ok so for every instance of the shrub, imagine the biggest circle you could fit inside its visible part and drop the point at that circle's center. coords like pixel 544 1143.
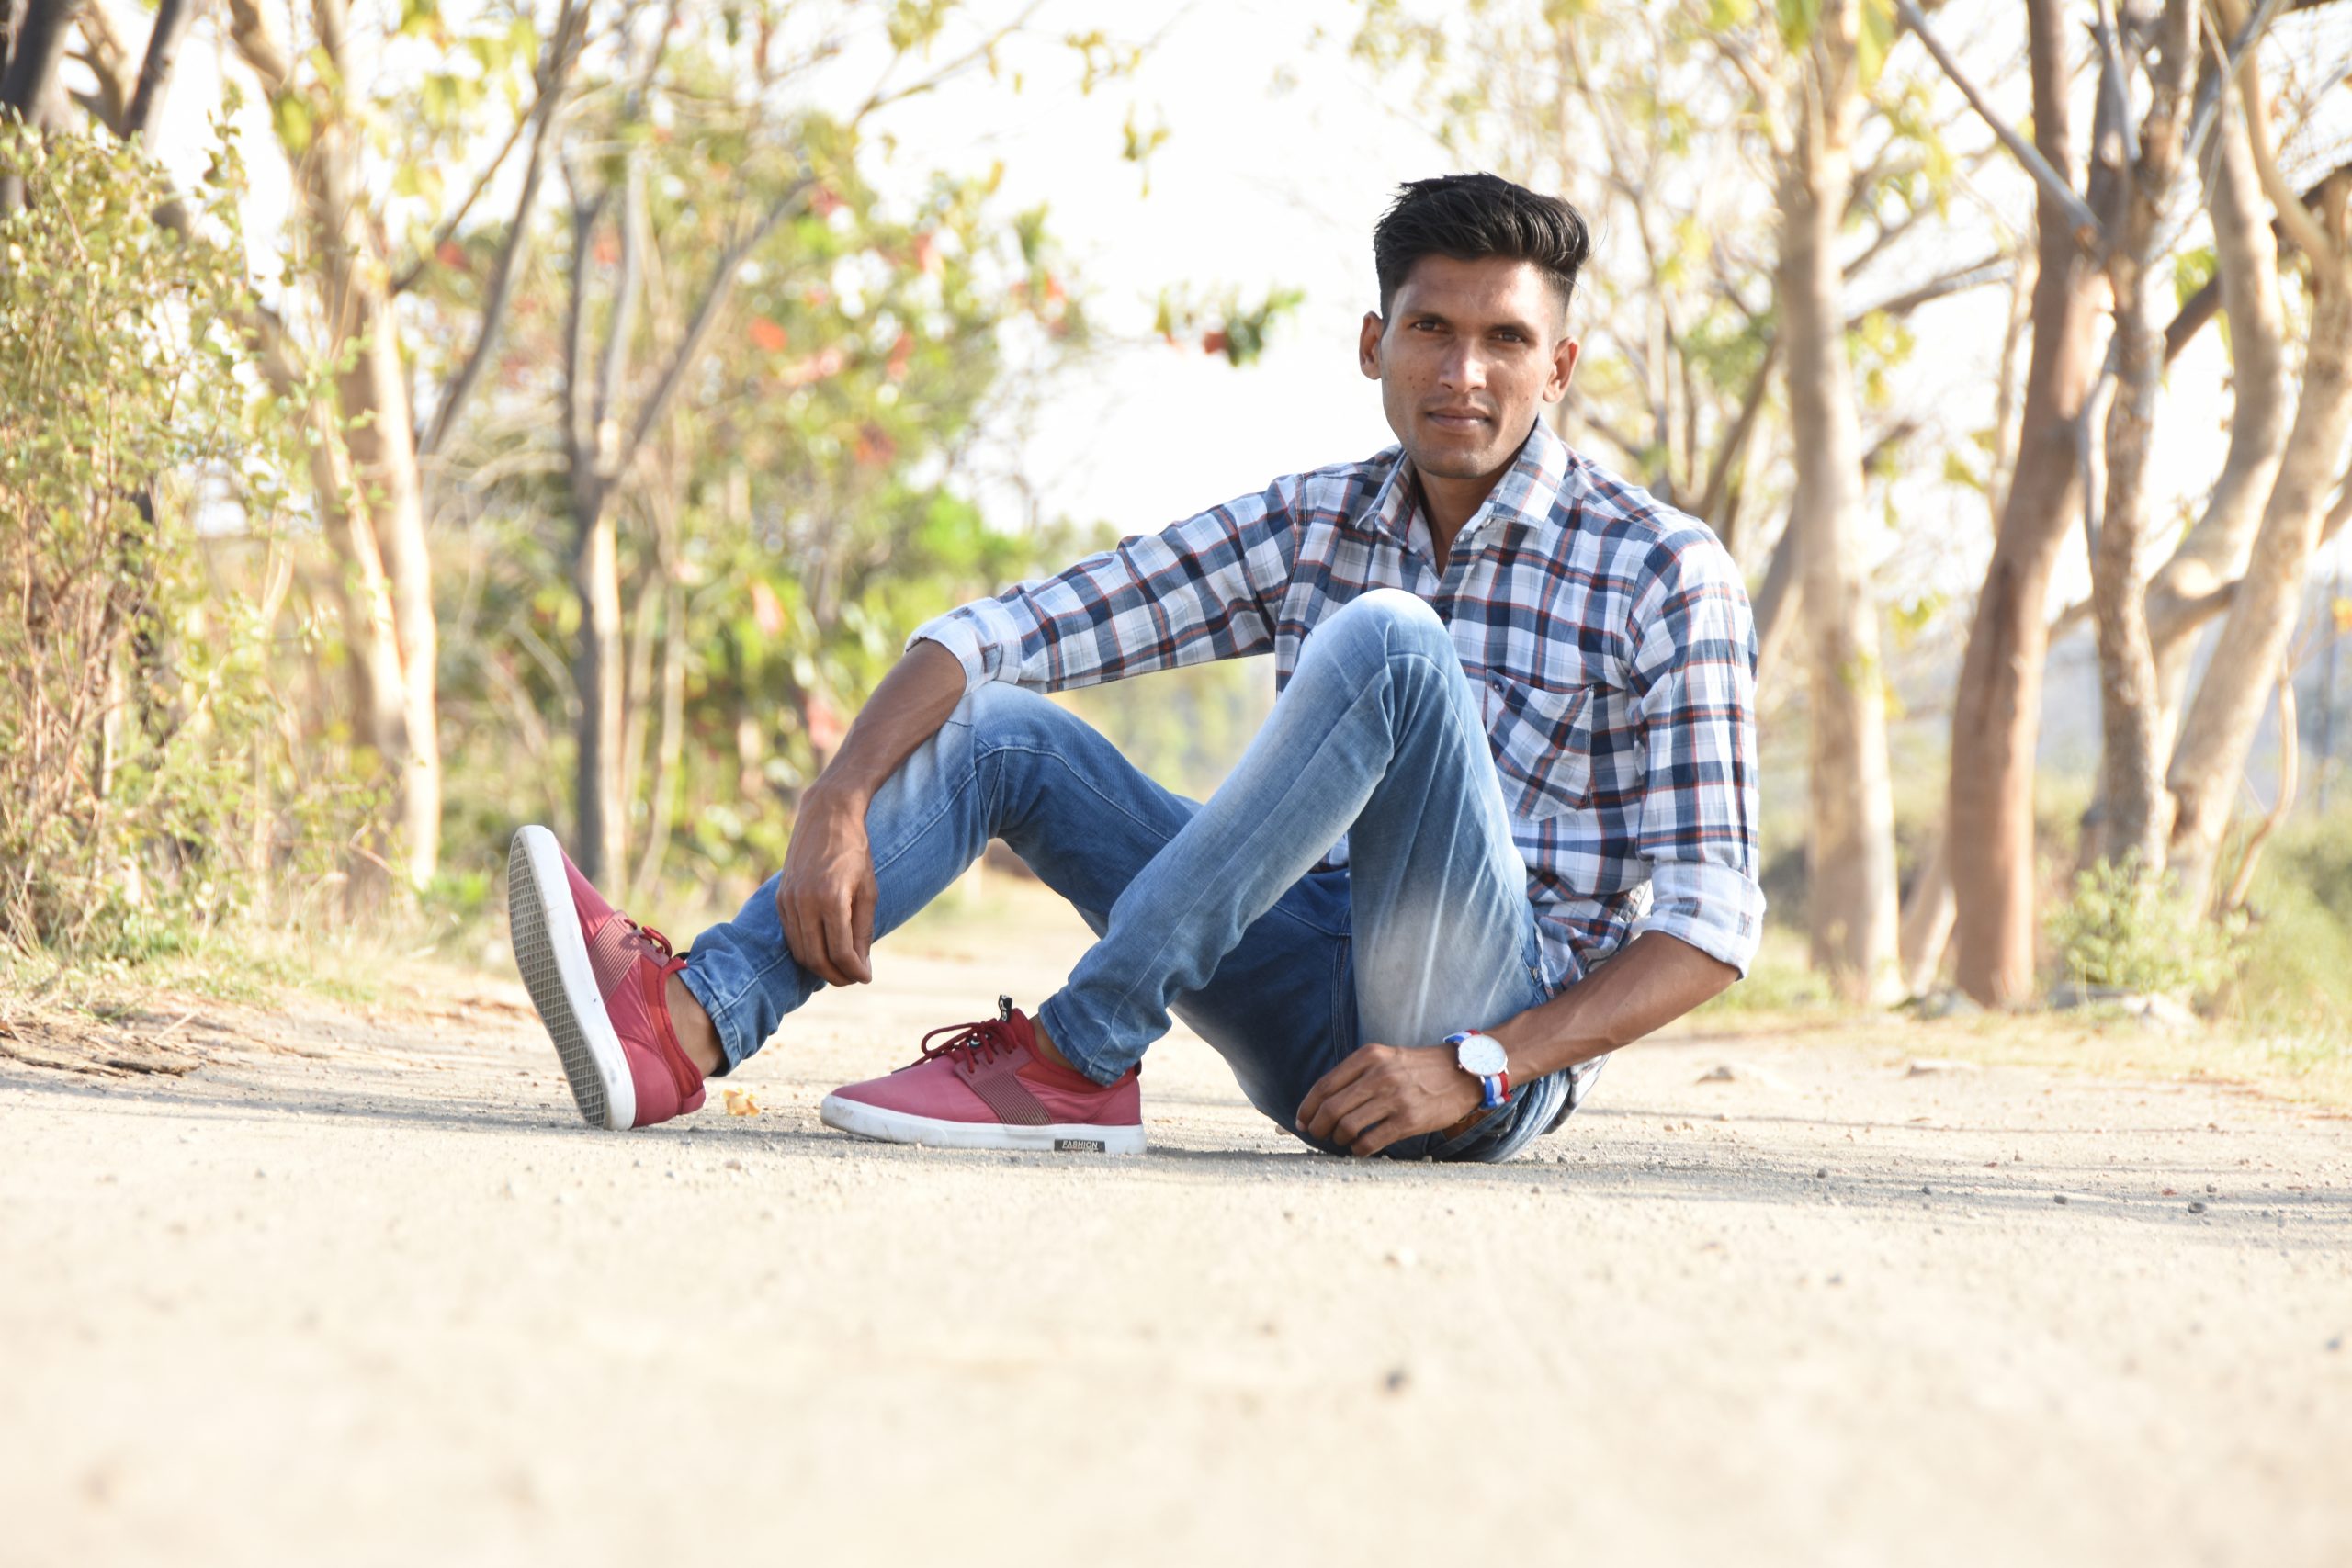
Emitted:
pixel 2124 931
pixel 133 711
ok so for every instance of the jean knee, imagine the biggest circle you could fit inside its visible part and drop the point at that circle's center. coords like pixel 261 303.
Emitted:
pixel 1383 624
pixel 996 713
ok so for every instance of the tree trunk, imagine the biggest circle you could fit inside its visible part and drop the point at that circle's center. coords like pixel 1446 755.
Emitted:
pixel 374 397
pixel 1925 929
pixel 669 755
pixel 2192 587
pixel 36 46
pixel 380 434
pixel 597 671
pixel 378 498
pixel 2218 730
pixel 36 50
pixel 171 18
pixel 1775 603
pixel 1996 712
pixel 2135 822
pixel 1850 854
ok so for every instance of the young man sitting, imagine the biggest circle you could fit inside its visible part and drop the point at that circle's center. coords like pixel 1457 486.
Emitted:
pixel 1513 739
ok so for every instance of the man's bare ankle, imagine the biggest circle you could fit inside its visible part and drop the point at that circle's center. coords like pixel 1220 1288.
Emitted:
pixel 697 1036
pixel 1045 1047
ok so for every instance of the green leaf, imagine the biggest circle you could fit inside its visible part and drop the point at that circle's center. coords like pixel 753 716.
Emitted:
pixel 1800 20
pixel 1873 38
pixel 291 114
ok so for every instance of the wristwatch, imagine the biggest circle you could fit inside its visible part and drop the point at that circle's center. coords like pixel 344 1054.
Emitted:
pixel 1482 1057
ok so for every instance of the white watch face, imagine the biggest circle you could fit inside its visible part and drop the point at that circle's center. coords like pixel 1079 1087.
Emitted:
pixel 1481 1056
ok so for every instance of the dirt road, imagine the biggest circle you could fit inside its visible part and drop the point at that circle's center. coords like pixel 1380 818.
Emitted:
pixel 360 1289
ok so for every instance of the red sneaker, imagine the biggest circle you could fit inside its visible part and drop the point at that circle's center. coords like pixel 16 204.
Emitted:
pixel 987 1087
pixel 597 978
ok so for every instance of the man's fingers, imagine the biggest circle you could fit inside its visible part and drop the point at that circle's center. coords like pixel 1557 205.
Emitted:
pixel 1356 1063
pixel 840 944
pixel 861 921
pixel 805 934
pixel 1358 1101
pixel 1359 1120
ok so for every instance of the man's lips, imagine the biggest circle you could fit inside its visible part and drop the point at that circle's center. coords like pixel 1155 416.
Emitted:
pixel 1457 419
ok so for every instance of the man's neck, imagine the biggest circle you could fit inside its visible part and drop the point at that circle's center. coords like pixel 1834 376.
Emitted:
pixel 1447 506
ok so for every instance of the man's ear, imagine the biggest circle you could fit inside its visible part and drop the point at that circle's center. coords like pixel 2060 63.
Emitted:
pixel 1368 345
pixel 1564 368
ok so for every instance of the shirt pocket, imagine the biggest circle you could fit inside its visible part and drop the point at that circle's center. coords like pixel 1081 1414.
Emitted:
pixel 1541 739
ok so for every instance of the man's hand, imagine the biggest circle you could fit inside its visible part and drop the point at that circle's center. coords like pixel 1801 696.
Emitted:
pixel 1384 1094
pixel 825 896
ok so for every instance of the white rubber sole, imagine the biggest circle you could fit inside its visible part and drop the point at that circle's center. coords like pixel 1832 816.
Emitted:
pixel 855 1116
pixel 544 926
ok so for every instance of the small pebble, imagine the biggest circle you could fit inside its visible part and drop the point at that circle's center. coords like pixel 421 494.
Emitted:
pixel 1396 1380
pixel 1821 1175
pixel 2196 1208
pixel 2057 1197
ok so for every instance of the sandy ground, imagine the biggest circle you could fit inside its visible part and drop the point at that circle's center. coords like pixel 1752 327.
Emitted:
pixel 360 1289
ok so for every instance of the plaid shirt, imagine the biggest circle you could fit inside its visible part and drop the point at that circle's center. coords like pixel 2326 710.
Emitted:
pixel 1608 635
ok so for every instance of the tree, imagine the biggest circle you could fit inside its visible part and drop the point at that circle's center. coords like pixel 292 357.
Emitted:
pixel 1996 709
pixel 1849 847
pixel 2132 204
pixel 2217 730
pixel 366 480
pixel 756 355
pixel 36 44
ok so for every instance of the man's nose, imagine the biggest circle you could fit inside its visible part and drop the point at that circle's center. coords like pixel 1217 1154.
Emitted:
pixel 1464 369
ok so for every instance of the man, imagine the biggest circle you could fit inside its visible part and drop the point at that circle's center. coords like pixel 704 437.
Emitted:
pixel 1513 739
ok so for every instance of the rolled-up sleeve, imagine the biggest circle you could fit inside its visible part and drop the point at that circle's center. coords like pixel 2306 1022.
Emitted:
pixel 1693 680
pixel 1206 588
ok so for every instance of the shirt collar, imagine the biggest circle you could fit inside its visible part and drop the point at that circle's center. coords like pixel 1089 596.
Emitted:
pixel 1523 497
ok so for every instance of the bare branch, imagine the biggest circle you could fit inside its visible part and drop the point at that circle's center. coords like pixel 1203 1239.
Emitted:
pixel 2084 222
pixel 112 65
pixel 2295 218
pixel 705 318
pixel 2115 91
pixel 1994 268
pixel 447 230
pixel 172 20
pixel 882 95
pixel 259 45
pixel 498 296
pixel 1736 442
pixel 2210 96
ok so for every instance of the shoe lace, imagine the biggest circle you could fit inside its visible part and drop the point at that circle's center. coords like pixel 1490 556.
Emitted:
pixel 970 1044
pixel 671 962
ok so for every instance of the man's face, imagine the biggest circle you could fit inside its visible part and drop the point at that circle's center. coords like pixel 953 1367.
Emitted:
pixel 1469 352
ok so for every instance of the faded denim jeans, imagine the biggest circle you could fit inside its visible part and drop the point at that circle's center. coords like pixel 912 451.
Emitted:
pixel 1212 911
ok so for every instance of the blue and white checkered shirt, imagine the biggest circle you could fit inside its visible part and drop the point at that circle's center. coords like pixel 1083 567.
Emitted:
pixel 1608 636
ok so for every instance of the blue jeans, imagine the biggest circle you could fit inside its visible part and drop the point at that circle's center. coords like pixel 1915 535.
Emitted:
pixel 1214 911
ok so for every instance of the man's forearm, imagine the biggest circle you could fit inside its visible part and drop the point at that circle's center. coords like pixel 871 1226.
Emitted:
pixel 1654 980
pixel 907 709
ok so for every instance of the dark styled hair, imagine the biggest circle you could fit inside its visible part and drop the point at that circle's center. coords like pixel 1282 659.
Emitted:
pixel 1471 217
